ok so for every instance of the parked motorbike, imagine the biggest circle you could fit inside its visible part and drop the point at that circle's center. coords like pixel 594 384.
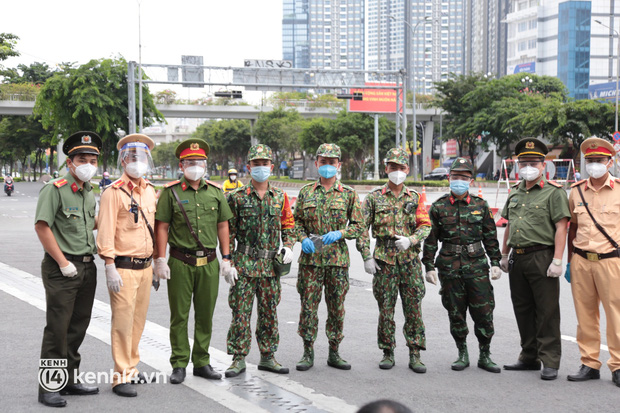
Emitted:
pixel 9 188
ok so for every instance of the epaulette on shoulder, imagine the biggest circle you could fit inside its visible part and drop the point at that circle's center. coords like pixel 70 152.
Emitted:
pixel 347 187
pixel 215 184
pixel 617 180
pixel 60 183
pixel 376 188
pixel 516 185
pixel 582 181
pixel 148 182
pixel 557 185
pixel 173 183
pixel 117 184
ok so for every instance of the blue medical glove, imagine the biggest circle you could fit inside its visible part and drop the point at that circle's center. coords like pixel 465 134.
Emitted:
pixel 567 273
pixel 307 246
pixel 331 237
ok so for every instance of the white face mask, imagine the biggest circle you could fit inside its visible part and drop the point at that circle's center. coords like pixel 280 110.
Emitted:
pixel 397 177
pixel 233 178
pixel 85 172
pixel 194 173
pixel 596 170
pixel 529 173
pixel 136 169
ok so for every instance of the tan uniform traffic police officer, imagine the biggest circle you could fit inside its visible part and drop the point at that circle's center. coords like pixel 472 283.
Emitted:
pixel 192 215
pixel 64 223
pixel 594 259
pixel 537 214
pixel 125 240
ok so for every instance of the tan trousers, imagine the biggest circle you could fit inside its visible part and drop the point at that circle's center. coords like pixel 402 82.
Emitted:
pixel 592 283
pixel 129 307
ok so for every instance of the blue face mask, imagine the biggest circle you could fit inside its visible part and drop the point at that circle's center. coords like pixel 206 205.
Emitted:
pixel 261 173
pixel 327 171
pixel 459 187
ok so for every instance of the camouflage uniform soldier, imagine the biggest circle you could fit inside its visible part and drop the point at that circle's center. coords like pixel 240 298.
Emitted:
pixel 261 214
pixel 464 223
pixel 322 211
pixel 399 223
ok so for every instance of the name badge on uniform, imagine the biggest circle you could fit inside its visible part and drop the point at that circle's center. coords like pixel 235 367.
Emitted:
pixel 185 201
pixel 248 206
pixel 72 209
pixel 476 212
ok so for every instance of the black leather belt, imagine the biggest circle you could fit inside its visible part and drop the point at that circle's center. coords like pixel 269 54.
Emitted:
pixel 387 242
pixel 256 253
pixel 79 258
pixel 199 253
pixel 470 248
pixel 192 259
pixel 594 256
pixel 131 263
pixel 527 250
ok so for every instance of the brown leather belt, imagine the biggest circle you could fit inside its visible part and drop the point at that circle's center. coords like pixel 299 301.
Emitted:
pixel 594 256
pixel 470 248
pixel 192 259
pixel 527 250
pixel 387 242
pixel 79 258
pixel 131 263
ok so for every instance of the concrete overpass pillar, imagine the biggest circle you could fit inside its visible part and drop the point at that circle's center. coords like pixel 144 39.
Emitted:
pixel 427 148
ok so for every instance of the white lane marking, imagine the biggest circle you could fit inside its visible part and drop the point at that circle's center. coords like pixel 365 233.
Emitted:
pixel 29 289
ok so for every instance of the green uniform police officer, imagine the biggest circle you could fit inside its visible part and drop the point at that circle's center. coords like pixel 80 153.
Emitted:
pixel 537 213
pixel 64 223
pixel 192 216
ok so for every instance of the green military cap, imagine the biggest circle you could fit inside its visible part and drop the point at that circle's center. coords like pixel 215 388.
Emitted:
pixel 531 147
pixel 329 150
pixel 260 151
pixel 397 155
pixel 82 142
pixel 192 148
pixel 462 164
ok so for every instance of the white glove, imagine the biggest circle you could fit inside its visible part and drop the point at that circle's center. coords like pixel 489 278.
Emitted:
pixel 555 270
pixel 225 266
pixel 115 281
pixel 69 271
pixel 288 256
pixel 402 243
pixel 431 277
pixel 161 270
pixel 371 266
pixel 496 273
pixel 231 276
pixel 503 264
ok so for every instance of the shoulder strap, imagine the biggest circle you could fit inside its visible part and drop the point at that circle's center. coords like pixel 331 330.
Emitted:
pixel 189 225
pixel 598 226
pixel 148 225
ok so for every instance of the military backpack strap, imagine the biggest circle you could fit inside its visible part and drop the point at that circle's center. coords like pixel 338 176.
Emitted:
pixel 598 226
pixel 189 225
pixel 148 225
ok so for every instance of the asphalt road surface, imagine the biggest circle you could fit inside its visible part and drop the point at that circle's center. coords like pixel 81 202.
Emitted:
pixel 322 388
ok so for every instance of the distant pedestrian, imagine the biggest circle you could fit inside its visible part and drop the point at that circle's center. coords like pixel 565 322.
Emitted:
pixel 105 181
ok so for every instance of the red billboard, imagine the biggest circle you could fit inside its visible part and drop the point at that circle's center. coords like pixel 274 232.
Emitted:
pixel 375 100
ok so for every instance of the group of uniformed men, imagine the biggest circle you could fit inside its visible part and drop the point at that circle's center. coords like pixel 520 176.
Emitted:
pixel 256 230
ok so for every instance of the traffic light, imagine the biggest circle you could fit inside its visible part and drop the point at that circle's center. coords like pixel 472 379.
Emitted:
pixel 344 96
pixel 358 96
pixel 234 94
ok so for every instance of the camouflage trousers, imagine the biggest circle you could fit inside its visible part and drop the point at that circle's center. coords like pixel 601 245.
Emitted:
pixel 459 294
pixel 241 300
pixel 388 282
pixel 310 287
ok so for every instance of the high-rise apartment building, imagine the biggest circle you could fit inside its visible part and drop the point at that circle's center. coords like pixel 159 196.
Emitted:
pixel 323 34
pixel 484 46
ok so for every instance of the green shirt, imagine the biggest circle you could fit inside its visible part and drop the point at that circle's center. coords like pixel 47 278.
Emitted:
pixel 204 208
pixel 533 213
pixel 70 213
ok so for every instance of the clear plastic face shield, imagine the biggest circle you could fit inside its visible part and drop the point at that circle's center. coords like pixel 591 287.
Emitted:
pixel 135 159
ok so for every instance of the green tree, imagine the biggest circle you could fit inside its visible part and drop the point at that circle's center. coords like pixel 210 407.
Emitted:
pixel 36 74
pixel 8 43
pixel 91 97
pixel 229 141
pixel 164 157
pixel 280 129
pixel 19 137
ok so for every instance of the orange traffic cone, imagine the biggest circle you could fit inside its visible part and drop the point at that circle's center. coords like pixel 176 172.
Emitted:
pixel 480 191
pixel 423 196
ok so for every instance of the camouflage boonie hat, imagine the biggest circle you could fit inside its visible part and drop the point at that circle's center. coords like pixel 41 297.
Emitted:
pixel 329 150
pixel 260 151
pixel 462 164
pixel 397 155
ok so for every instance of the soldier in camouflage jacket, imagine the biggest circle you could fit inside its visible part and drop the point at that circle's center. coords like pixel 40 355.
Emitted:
pixel 261 215
pixel 332 211
pixel 464 224
pixel 399 223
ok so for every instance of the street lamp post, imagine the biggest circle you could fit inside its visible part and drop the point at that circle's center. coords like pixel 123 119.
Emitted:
pixel 408 72
pixel 617 68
